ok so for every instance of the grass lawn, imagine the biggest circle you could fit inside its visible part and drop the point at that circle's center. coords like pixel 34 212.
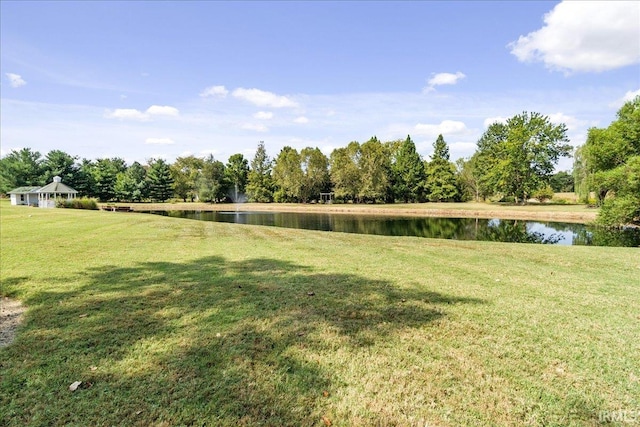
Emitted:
pixel 175 322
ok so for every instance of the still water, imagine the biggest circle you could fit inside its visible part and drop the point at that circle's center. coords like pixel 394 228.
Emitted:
pixel 497 230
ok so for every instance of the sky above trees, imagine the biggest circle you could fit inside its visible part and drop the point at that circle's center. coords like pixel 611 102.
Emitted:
pixel 143 80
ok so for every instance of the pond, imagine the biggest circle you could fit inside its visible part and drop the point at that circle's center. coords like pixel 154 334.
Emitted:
pixel 496 230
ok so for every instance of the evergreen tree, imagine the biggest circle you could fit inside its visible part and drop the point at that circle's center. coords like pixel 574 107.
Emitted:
pixel 259 183
pixel 408 174
pixel 441 183
pixel 21 168
pixel 104 174
pixel 159 180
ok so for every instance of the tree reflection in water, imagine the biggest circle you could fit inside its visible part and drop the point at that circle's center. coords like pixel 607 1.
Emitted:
pixel 495 230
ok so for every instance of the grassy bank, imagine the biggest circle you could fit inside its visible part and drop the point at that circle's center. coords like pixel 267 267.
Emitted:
pixel 178 322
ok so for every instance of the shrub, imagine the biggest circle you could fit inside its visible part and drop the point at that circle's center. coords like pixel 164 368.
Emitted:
pixel 82 203
pixel 620 211
pixel 543 194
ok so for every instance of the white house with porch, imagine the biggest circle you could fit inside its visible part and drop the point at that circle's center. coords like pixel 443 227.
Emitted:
pixel 44 197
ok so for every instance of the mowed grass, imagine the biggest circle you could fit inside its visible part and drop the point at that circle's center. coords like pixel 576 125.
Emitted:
pixel 173 322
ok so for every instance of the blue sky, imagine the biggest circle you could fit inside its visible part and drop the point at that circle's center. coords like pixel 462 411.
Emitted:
pixel 142 80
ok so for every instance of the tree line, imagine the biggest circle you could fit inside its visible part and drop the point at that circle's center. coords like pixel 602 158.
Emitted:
pixel 607 166
pixel 513 161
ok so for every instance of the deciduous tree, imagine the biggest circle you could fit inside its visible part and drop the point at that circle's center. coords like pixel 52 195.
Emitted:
pixel 518 157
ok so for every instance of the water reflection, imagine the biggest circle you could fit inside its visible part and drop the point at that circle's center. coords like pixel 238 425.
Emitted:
pixel 494 230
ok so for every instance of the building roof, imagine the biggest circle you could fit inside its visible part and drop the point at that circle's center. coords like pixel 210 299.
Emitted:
pixel 24 190
pixel 56 187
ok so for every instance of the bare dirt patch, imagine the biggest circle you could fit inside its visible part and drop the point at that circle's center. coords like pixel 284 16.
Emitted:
pixel 11 311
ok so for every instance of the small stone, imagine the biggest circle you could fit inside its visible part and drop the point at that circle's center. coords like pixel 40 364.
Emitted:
pixel 311 293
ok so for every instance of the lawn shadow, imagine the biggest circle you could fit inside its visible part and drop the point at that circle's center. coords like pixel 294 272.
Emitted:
pixel 215 341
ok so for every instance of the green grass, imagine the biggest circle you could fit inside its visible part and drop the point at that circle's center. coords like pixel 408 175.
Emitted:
pixel 176 322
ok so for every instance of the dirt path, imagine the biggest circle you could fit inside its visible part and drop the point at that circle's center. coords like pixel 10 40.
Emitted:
pixel 10 317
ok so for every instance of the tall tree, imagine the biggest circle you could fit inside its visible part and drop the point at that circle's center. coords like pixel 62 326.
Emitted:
pixel 287 176
pixel 259 183
pixel 375 168
pixel 344 171
pixel 159 180
pixel 518 157
pixel 85 182
pixel 315 171
pixel 21 168
pixel 186 172
pixel 105 173
pixel 237 171
pixel 132 185
pixel 441 183
pixel 408 172
pixel 212 185
pixel 611 157
pixel 59 163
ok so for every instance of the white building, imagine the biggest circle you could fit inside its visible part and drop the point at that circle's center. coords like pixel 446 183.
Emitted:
pixel 44 197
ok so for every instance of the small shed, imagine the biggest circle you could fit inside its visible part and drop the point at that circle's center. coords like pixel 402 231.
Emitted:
pixel 48 194
pixel 24 196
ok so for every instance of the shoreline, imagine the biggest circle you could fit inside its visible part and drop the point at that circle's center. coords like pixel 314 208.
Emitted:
pixel 552 213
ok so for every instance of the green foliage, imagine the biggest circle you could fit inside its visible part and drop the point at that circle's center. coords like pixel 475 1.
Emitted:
pixel 315 170
pixel 287 176
pixel 78 203
pixel 606 150
pixel 132 185
pixel 543 194
pixel 212 183
pixel 186 172
pixel 21 168
pixel 237 174
pixel 562 182
pixel 374 166
pixel 624 207
pixel 518 157
pixel 159 180
pixel 344 172
pixel 407 172
pixel 105 173
pixel 259 181
pixel 441 183
pixel 59 163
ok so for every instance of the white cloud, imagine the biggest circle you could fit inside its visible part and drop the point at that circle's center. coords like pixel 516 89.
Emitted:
pixel 445 79
pixel 159 141
pixel 256 127
pixel 584 36
pixel 571 122
pixel 630 96
pixel 446 127
pixel 263 115
pixel 15 80
pixel 491 120
pixel 263 98
pixel 162 110
pixel 301 120
pixel 133 114
pixel 127 114
pixel 214 91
